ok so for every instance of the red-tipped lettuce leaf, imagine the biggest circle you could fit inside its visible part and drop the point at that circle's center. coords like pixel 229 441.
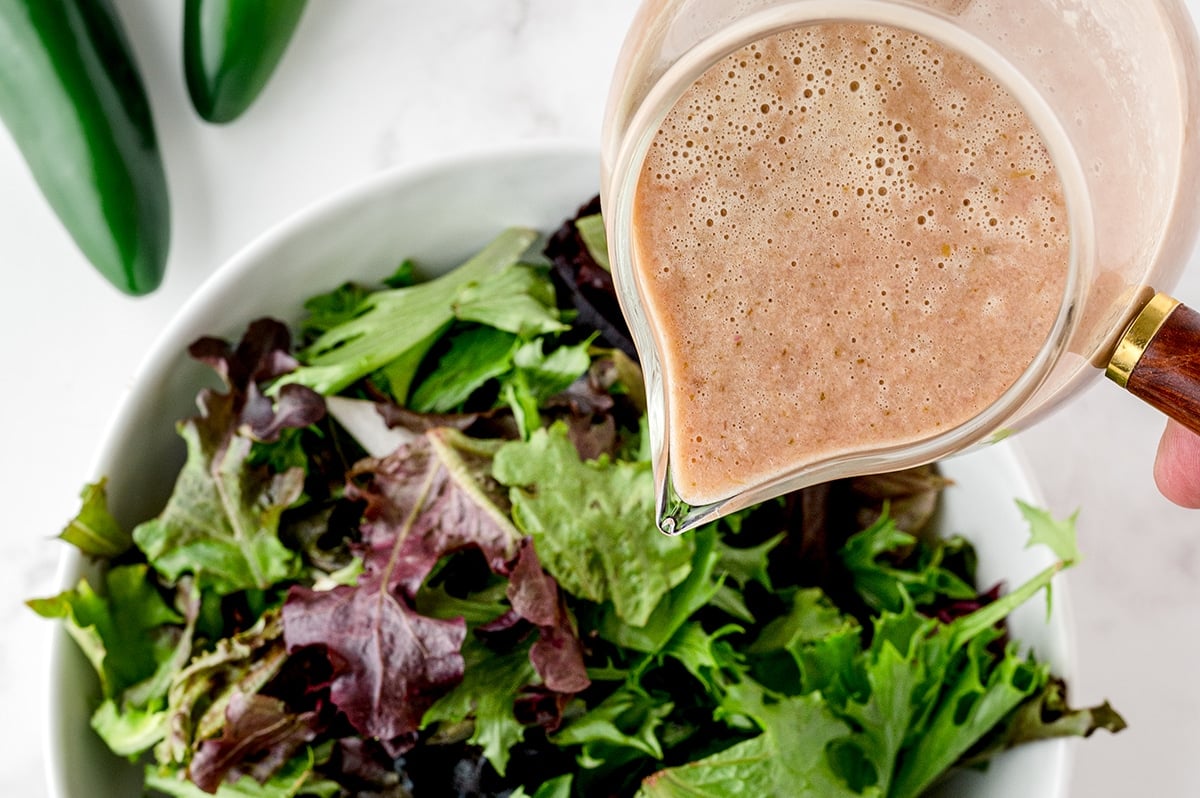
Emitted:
pixel 390 663
pixel 222 521
pixel 430 498
pixel 260 735
pixel 557 654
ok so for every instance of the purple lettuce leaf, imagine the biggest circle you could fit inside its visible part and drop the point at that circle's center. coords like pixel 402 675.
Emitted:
pixel 586 284
pixel 200 693
pixel 390 663
pixel 557 655
pixel 260 735
pixel 222 520
pixel 427 499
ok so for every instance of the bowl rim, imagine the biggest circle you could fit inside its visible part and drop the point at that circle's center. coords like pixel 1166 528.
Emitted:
pixel 164 351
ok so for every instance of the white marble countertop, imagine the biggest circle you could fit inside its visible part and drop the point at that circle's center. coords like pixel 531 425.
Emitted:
pixel 368 84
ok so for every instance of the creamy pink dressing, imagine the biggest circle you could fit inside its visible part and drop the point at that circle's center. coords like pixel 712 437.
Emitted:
pixel 850 237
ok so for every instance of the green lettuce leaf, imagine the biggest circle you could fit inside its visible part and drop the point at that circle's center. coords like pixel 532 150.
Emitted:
pixel 559 787
pixel 977 693
pixel 621 727
pixel 741 770
pixel 222 520
pixel 475 356
pixel 749 564
pixel 811 647
pixel 126 633
pixel 788 758
pixel 93 530
pixel 592 523
pixel 392 322
pixel 699 588
pixel 1059 536
pixel 328 310
pixel 537 376
pixel 889 568
pixel 295 778
pixel 485 697
pixel 129 731
pixel 518 299
pixel 1046 717
pixel 591 230
pixel 478 608
pixel 546 374
pixel 710 657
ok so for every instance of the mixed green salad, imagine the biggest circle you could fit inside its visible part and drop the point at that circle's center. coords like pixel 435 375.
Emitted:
pixel 466 594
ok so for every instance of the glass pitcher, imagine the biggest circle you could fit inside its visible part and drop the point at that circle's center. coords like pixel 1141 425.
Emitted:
pixel 1103 92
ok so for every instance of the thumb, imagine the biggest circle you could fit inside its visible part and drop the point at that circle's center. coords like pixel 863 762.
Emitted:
pixel 1177 466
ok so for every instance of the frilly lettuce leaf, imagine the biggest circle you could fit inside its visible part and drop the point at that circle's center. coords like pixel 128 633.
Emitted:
pixel 126 632
pixel 1059 536
pixel 200 693
pixel 222 520
pixel 259 736
pixel 622 725
pixel 388 325
pixel 889 568
pixel 485 699
pixel 592 523
pixel 788 758
pixel 390 663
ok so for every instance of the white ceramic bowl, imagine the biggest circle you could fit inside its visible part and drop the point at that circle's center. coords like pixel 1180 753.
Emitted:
pixel 439 213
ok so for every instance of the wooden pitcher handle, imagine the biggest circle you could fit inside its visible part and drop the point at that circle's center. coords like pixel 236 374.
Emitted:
pixel 1158 360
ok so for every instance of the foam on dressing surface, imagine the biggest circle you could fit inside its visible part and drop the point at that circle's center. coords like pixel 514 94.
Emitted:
pixel 850 237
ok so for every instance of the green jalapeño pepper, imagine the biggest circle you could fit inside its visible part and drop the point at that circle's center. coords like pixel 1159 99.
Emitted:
pixel 230 49
pixel 71 97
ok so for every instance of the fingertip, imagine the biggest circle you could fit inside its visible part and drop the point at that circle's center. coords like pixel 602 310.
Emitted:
pixel 1177 466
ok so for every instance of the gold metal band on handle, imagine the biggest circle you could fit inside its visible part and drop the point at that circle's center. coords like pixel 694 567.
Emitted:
pixel 1138 337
